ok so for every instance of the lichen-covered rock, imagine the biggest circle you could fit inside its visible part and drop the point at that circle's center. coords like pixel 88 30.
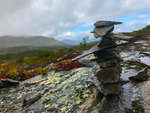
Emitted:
pixel 63 91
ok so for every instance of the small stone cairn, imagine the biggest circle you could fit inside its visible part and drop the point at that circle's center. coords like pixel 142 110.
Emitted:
pixel 108 59
pixel 107 56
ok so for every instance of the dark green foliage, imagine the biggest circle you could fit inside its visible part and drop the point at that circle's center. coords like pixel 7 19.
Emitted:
pixel 20 59
pixel 0 62
pixel 43 54
pixel 83 44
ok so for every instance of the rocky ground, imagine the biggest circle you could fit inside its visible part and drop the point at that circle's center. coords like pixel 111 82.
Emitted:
pixel 79 91
pixel 106 83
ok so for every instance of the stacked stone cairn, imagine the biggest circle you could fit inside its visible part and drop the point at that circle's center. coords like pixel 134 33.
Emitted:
pixel 108 59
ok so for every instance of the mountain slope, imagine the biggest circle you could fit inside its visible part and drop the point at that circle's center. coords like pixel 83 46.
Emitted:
pixel 11 41
pixel 77 42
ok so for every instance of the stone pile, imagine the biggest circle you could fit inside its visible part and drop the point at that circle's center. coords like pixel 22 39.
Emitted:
pixel 108 59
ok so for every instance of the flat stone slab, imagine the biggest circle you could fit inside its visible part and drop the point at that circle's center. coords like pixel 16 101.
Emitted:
pixel 92 50
pixel 141 76
pixel 106 23
pixel 106 42
pixel 97 49
pixel 101 31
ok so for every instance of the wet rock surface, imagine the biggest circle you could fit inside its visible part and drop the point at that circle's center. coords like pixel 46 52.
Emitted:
pixel 141 76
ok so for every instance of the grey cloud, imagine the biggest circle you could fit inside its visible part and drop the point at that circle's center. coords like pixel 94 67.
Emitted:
pixel 129 28
pixel 53 18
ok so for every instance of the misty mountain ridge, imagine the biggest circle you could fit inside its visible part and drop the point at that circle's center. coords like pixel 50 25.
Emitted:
pixel 18 41
pixel 78 41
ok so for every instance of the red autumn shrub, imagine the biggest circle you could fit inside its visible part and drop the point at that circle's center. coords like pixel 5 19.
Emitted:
pixel 69 65
pixel 70 56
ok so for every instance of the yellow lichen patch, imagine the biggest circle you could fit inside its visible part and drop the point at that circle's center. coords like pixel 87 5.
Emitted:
pixel 80 86
pixel 12 90
pixel 79 69
pixel 85 95
pixel 18 97
pixel 90 57
pixel 52 79
pixel 79 101
pixel 46 106
pixel 85 73
pixel 55 105
pixel 65 109
pixel 71 80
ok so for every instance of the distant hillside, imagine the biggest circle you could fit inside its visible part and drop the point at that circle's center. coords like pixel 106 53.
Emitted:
pixel 21 49
pixel 143 31
pixel 36 41
pixel 72 42
pixel 77 42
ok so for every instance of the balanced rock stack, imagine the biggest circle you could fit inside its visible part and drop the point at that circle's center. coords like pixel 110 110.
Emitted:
pixel 108 59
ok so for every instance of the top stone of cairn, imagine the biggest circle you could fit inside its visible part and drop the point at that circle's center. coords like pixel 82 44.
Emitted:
pixel 106 23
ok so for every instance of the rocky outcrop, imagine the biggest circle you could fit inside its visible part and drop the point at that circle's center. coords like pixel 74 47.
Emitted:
pixel 101 85
pixel 64 91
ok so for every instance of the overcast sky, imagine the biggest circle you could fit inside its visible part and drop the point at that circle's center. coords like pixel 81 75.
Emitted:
pixel 70 19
